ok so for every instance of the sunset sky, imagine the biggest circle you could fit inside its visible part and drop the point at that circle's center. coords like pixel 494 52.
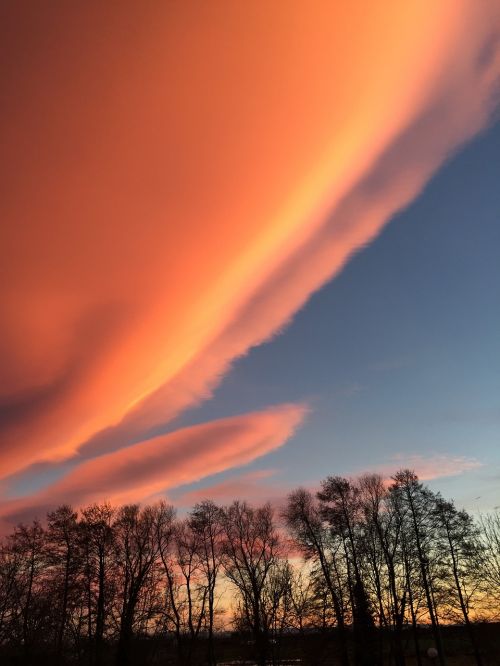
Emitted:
pixel 246 245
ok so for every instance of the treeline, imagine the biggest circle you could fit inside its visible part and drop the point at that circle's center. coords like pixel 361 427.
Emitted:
pixel 364 561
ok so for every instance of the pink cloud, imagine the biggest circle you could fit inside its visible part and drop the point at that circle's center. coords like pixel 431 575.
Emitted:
pixel 427 467
pixel 266 485
pixel 435 466
pixel 168 461
pixel 182 235
pixel 453 114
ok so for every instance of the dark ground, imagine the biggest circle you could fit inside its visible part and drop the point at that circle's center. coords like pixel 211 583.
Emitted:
pixel 314 649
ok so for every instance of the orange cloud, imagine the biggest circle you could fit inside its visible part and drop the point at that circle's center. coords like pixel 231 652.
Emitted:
pixel 177 181
pixel 168 461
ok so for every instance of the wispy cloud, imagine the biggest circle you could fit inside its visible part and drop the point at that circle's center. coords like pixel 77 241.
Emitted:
pixel 168 461
pixel 268 485
pixel 436 466
pixel 427 467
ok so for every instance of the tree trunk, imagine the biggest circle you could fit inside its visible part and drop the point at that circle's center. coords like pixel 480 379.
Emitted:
pixel 427 589
pixel 465 613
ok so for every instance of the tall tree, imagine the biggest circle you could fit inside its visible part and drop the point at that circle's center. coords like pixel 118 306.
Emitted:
pixel 137 549
pixel 206 520
pixel 188 562
pixel 460 556
pixel 304 519
pixel 62 557
pixel 28 543
pixel 340 507
pixel 490 569
pixel 251 549
pixel 11 566
pixel 418 502
pixel 97 548
pixel 383 525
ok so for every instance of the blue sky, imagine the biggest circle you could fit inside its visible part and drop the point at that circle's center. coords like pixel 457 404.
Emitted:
pixel 399 355
pixel 207 287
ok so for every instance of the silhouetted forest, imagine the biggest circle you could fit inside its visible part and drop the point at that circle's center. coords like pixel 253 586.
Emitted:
pixel 362 572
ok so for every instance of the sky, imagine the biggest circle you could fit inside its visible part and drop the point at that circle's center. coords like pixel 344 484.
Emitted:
pixel 244 247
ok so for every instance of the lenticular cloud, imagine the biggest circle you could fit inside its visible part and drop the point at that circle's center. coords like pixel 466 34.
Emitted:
pixel 180 218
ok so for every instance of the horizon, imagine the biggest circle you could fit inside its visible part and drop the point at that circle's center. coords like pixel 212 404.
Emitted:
pixel 249 333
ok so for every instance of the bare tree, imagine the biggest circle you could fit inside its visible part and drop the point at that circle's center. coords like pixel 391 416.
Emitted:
pixel 303 600
pixel 401 554
pixel 12 562
pixel 490 570
pixel 136 552
pixel 28 543
pixel 206 521
pixel 97 546
pixel 340 507
pixel 419 507
pixel 277 604
pixel 251 550
pixel 62 556
pixel 188 561
pixel 383 526
pixel 303 517
pixel 460 557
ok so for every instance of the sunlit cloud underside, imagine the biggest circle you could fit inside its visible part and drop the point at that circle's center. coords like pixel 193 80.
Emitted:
pixel 191 175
